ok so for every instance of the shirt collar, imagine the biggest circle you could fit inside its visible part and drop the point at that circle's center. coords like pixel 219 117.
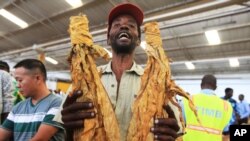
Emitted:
pixel 243 101
pixel 107 68
pixel 135 68
pixel 208 91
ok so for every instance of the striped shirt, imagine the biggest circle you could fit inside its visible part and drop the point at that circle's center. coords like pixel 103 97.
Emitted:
pixel 25 118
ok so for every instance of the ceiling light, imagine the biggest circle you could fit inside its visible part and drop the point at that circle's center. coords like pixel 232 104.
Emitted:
pixel 143 45
pixel 213 37
pixel 234 62
pixel 190 65
pixel 51 60
pixel 74 3
pixel 13 18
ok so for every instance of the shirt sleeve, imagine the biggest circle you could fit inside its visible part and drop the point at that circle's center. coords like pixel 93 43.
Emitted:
pixel 183 110
pixel 58 115
pixel 8 123
pixel 177 115
pixel 54 109
pixel 246 111
pixel 8 90
pixel 231 122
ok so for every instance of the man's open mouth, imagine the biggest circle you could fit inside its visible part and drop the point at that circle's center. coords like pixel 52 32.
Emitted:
pixel 123 35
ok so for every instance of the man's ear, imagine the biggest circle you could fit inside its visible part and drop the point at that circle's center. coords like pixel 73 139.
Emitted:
pixel 108 36
pixel 108 41
pixel 39 77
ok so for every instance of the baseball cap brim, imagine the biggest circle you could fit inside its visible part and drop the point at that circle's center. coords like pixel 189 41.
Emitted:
pixel 126 8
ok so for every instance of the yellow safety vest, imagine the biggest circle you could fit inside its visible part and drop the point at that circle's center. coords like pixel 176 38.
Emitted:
pixel 214 114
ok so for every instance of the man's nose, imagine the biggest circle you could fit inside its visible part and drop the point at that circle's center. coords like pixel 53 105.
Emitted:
pixel 124 26
pixel 18 85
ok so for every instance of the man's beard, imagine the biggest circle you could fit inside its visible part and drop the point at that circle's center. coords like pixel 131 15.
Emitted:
pixel 123 49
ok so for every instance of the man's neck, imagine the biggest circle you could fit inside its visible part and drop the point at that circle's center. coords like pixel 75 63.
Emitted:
pixel 121 63
pixel 40 94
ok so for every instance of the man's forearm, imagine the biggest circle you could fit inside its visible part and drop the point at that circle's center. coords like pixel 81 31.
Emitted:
pixel 5 135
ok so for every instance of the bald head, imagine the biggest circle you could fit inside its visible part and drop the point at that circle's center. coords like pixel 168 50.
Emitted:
pixel 241 97
pixel 208 82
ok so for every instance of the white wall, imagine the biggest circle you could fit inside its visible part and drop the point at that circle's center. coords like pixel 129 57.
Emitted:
pixel 63 75
pixel 240 86
pixel 51 84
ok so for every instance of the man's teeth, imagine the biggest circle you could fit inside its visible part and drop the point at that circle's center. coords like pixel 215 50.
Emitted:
pixel 123 38
pixel 123 35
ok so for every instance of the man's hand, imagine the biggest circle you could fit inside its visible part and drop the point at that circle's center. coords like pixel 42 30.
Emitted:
pixel 165 129
pixel 237 116
pixel 74 113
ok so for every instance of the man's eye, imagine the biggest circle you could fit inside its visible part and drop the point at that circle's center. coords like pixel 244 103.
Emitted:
pixel 116 25
pixel 132 26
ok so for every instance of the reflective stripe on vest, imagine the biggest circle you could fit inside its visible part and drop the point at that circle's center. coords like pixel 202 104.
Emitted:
pixel 204 129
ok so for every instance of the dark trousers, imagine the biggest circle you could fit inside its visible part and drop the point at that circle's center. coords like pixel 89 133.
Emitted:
pixel 243 120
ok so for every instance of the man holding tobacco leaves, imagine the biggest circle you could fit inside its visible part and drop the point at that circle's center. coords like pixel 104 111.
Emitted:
pixel 121 78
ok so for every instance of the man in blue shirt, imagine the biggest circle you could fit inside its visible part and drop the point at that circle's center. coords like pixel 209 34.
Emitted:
pixel 31 119
pixel 228 97
pixel 244 110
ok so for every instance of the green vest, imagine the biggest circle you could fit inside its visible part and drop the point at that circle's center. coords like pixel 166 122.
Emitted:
pixel 214 114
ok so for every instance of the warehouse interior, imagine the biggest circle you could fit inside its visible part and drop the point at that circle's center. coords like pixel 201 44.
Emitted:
pixel 184 25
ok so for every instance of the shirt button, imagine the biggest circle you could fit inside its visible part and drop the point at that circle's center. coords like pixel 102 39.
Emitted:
pixel 112 85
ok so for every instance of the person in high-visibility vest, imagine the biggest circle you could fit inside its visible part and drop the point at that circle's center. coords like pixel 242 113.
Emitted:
pixel 213 112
